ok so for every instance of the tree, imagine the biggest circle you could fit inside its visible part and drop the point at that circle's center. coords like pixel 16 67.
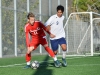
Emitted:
pixel 86 5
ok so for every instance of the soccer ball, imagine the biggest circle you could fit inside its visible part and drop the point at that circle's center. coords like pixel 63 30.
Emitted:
pixel 35 64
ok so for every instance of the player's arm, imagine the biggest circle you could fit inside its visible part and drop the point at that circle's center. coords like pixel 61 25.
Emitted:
pixel 51 35
pixel 48 27
pixel 27 36
pixel 49 23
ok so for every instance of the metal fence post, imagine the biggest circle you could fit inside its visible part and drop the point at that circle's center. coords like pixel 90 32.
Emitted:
pixel 40 20
pixel 0 31
pixel 91 23
pixel 28 8
pixel 15 27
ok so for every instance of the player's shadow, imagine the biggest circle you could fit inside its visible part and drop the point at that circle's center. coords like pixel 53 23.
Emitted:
pixel 43 70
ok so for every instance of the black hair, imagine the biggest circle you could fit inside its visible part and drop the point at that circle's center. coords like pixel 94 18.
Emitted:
pixel 30 14
pixel 60 7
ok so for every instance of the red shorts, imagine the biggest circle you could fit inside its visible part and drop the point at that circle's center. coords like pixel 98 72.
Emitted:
pixel 36 42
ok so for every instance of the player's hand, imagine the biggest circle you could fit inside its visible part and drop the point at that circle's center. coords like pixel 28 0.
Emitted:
pixel 52 36
pixel 48 28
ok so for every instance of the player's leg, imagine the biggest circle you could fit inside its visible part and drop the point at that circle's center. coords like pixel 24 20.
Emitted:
pixel 32 47
pixel 28 57
pixel 63 45
pixel 50 52
pixel 54 45
pixel 64 48
pixel 47 48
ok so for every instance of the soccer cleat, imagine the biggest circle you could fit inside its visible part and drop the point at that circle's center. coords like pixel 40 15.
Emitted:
pixel 57 63
pixel 27 66
pixel 64 62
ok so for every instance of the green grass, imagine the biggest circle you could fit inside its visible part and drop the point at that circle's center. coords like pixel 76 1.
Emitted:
pixel 76 66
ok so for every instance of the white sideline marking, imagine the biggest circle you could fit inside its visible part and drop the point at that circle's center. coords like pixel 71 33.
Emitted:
pixel 20 65
pixel 13 65
pixel 86 65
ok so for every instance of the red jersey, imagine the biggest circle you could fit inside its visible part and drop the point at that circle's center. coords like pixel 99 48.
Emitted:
pixel 34 32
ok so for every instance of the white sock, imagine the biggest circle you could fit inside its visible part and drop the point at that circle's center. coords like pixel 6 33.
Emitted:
pixel 28 63
pixel 56 55
pixel 64 54
pixel 55 58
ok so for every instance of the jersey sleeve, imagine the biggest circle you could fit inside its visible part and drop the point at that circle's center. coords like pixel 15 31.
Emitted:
pixel 27 36
pixel 44 28
pixel 49 21
pixel 63 17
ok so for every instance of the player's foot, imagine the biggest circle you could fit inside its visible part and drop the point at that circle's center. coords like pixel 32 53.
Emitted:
pixel 27 66
pixel 57 63
pixel 64 62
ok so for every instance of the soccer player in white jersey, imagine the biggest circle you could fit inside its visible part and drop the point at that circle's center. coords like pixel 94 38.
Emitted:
pixel 55 25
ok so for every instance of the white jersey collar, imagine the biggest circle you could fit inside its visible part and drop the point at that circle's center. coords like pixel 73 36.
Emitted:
pixel 57 16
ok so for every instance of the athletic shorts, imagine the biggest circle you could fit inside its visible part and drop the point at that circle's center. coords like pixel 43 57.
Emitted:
pixel 36 42
pixel 55 43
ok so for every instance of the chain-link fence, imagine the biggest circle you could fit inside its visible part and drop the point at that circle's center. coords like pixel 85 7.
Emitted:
pixel 13 18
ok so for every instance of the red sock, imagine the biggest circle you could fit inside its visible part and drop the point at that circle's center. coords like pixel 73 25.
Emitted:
pixel 49 51
pixel 28 57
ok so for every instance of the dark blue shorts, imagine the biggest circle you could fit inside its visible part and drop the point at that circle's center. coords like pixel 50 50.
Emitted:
pixel 55 43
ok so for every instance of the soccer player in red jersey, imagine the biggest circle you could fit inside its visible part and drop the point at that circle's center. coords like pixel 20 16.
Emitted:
pixel 35 35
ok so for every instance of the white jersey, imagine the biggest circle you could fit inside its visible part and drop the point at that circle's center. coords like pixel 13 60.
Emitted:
pixel 56 26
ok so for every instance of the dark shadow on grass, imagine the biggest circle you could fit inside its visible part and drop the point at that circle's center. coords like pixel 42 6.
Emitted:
pixel 43 69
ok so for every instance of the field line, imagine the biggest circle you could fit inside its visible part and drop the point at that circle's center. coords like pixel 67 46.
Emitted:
pixel 12 65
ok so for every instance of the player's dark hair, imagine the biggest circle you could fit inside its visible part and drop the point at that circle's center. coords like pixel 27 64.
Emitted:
pixel 30 14
pixel 60 7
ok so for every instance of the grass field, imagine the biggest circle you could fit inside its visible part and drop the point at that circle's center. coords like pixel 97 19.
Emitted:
pixel 76 66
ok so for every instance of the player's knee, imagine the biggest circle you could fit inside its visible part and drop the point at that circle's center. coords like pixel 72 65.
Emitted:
pixel 30 50
pixel 55 52
pixel 46 45
pixel 64 47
